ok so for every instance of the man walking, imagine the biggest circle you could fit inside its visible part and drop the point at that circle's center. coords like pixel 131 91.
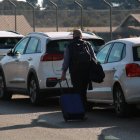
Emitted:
pixel 77 58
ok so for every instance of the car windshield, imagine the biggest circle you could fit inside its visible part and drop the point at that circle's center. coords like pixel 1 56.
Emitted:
pixel 8 42
pixel 58 46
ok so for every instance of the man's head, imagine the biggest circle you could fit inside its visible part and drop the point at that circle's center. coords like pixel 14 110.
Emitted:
pixel 77 33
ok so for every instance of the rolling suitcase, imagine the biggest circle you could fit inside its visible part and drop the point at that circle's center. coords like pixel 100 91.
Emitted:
pixel 71 105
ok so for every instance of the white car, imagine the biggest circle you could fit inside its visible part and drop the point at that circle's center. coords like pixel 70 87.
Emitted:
pixel 34 66
pixel 120 60
pixel 8 39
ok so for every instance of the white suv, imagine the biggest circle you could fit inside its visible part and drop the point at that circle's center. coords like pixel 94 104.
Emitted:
pixel 33 67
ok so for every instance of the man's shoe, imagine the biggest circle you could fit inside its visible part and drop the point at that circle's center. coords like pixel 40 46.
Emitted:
pixel 85 118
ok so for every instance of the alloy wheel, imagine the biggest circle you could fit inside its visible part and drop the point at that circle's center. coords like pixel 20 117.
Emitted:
pixel 1 87
pixel 119 102
pixel 33 91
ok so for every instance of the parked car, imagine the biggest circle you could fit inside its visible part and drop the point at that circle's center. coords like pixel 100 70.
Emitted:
pixel 33 66
pixel 120 60
pixel 8 39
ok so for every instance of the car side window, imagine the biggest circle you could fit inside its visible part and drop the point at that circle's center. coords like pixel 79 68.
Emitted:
pixel 32 46
pixel 21 46
pixel 8 42
pixel 39 49
pixel 102 54
pixel 116 52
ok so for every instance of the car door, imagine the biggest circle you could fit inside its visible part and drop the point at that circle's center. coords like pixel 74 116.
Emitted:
pixel 28 60
pixel 11 66
pixel 103 91
pixel 97 93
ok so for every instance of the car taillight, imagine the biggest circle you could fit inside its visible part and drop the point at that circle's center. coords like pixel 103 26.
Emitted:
pixel 52 57
pixel 133 70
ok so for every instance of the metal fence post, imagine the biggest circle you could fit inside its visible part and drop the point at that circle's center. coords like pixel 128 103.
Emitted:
pixel 33 15
pixel 56 13
pixel 110 6
pixel 81 7
pixel 15 15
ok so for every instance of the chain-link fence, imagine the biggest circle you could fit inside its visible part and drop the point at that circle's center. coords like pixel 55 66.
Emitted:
pixel 32 19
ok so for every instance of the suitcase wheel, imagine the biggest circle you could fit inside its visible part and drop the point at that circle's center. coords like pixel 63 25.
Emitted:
pixel 65 118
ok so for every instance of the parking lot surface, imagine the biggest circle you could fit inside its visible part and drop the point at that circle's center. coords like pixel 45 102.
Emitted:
pixel 20 120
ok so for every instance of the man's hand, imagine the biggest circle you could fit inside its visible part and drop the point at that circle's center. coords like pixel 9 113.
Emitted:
pixel 63 76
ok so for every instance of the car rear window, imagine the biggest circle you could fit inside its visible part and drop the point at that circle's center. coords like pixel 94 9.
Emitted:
pixel 58 46
pixel 136 53
pixel 8 42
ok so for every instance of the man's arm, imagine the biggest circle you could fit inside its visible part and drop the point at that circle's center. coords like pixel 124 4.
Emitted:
pixel 65 63
pixel 91 50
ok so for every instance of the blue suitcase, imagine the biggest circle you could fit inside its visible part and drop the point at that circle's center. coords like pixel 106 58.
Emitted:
pixel 72 106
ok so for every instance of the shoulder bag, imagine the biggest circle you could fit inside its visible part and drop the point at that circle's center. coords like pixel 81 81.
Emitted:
pixel 96 73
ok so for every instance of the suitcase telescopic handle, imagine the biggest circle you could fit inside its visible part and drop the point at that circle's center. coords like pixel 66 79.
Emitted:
pixel 61 88
pixel 59 81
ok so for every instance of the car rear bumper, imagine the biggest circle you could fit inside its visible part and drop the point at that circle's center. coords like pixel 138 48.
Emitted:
pixel 55 91
pixel 131 89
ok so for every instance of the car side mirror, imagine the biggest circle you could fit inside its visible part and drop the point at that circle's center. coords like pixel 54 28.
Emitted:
pixel 17 53
pixel 10 53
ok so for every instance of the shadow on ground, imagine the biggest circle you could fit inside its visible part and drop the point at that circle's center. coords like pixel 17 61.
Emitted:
pixel 102 118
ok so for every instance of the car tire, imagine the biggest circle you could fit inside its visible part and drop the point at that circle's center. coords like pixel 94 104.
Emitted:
pixel 4 95
pixel 121 107
pixel 33 89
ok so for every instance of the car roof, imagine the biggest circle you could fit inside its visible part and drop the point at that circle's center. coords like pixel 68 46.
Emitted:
pixel 132 40
pixel 10 34
pixel 65 35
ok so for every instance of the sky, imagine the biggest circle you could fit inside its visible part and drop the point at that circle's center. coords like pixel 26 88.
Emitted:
pixel 39 1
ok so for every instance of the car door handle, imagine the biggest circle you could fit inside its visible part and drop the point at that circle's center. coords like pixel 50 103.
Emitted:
pixel 17 60
pixel 29 59
pixel 114 69
pixel 58 70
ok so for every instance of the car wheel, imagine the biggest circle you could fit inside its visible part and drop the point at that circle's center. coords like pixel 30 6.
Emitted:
pixel 120 104
pixel 34 91
pixel 3 93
